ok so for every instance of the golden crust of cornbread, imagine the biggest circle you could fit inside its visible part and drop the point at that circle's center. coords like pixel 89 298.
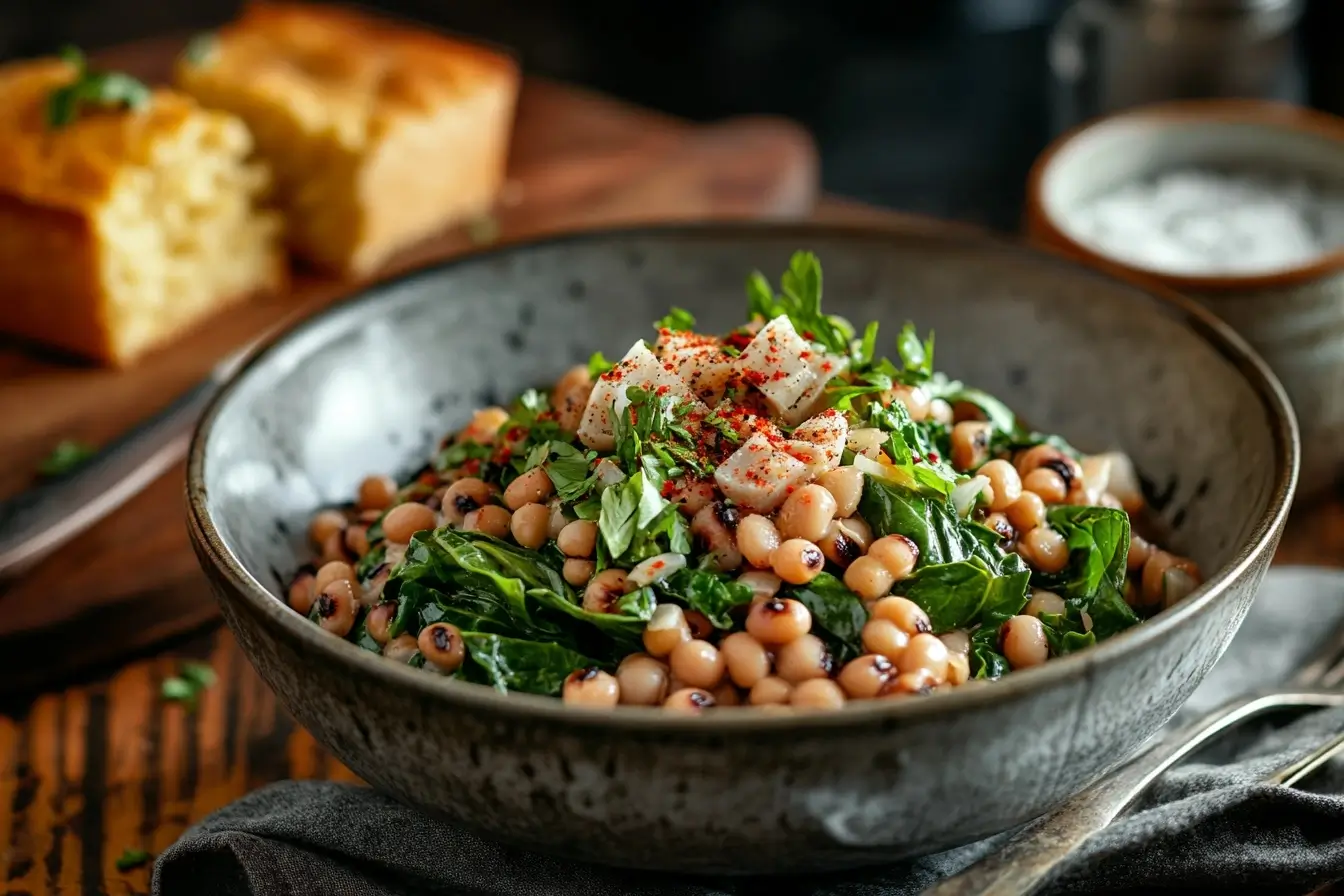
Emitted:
pixel 380 134
pixel 89 262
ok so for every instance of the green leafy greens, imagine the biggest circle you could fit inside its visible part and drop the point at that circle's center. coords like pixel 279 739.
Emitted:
pixel 107 90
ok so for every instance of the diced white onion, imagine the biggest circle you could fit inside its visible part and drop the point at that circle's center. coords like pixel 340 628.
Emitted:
pixel 655 569
pixel 965 494
pixel 1176 586
pixel 608 473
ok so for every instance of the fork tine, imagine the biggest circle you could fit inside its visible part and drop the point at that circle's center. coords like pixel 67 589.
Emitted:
pixel 1294 772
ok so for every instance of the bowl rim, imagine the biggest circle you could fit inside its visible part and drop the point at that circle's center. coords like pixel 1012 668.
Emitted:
pixel 306 637
pixel 1043 225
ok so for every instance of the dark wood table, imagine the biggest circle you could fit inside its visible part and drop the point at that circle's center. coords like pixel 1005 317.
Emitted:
pixel 101 765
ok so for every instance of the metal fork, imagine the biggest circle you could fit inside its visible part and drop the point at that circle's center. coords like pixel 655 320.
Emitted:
pixel 1027 860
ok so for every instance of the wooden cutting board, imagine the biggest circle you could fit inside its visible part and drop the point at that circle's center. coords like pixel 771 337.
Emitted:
pixel 578 160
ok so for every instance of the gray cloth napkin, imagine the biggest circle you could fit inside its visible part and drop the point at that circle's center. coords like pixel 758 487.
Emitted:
pixel 1207 825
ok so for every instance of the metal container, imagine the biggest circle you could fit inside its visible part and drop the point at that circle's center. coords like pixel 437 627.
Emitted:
pixel 1108 55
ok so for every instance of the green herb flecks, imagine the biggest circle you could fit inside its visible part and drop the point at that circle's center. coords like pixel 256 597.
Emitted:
pixel 187 686
pixel 677 320
pixel 130 859
pixel 68 455
pixel 106 90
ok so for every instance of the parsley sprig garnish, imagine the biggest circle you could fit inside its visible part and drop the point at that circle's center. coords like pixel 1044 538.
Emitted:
pixel 107 90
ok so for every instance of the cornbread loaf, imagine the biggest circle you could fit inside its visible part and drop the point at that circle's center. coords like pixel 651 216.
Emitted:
pixel 379 134
pixel 120 227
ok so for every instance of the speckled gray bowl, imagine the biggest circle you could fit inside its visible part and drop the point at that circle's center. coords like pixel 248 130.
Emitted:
pixel 370 385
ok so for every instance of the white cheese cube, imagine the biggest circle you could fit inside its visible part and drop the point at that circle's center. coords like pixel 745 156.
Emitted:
pixel 758 476
pixel 700 361
pixel 640 369
pixel 826 431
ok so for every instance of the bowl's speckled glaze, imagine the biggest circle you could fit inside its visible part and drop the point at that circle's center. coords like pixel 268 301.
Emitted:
pixel 372 384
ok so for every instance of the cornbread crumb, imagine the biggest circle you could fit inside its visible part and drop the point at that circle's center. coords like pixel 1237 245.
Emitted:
pixel 380 135
pixel 123 228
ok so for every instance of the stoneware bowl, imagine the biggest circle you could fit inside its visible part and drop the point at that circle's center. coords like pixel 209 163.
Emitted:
pixel 1294 316
pixel 372 384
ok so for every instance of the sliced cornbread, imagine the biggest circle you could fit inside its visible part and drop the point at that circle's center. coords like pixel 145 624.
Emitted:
pixel 121 226
pixel 379 134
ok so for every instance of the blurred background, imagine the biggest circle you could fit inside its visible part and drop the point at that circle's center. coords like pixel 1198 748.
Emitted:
pixel 935 106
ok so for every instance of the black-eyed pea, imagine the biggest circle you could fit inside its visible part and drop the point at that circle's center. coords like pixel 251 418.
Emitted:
pixel 757 539
pixel 1140 549
pixel 484 426
pixel 323 524
pixel 442 646
pixel 798 561
pixel 1027 512
pixel 529 524
pixel 1005 482
pixel 770 691
pixel 603 592
pixel 335 608
pixel 1153 585
pixel 1047 484
pixel 1043 602
pixel 817 693
pixel 806 513
pixel 357 540
pixel 863 678
pixel 845 541
pixel 970 444
pixel 665 629
pixel 777 621
pixel 577 539
pixel 333 548
pixel 746 659
pixel 882 636
pixel 803 658
pixel 643 680
pixel 403 521
pixel 577 572
pixel 917 683
pixel 1022 640
pixel 570 396
pixel 715 526
pixel 491 520
pixel 591 687
pixel 377 493
pixel 699 624
pixel 334 571
pixel 925 652
pixel 1001 526
pixel 1045 549
pixel 908 615
pixel 302 592
pixel 692 701
pixel 846 486
pixel 379 619
pixel 401 648
pixel 532 487
pixel 464 496
pixel 869 578
pixel 897 553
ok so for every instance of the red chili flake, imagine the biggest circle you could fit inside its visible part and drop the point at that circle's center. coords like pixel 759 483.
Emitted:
pixel 738 340
pixel 917 459
pixel 472 466
pixel 804 355
pixel 428 478
pixel 754 377
pixel 933 457
pixel 778 375
pixel 659 564
pixel 826 367
pixel 809 336
pixel 662 390
pixel 516 434
pixel 668 489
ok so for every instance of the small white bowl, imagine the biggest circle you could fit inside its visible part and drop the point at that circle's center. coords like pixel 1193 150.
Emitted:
pixel 1294 316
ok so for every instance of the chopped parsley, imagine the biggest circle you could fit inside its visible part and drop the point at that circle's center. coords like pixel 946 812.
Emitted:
pixel 107 90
